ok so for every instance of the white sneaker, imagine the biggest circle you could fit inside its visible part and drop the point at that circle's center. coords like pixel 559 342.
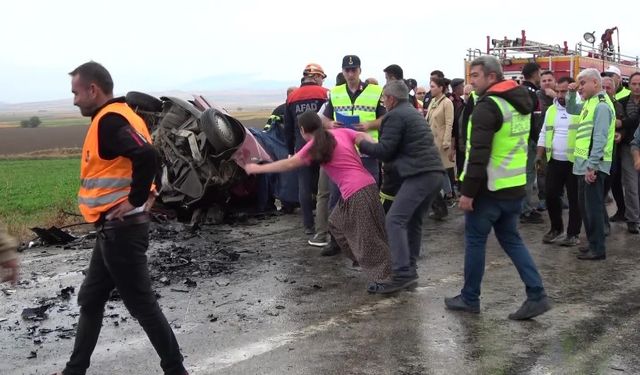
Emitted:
pixel 319 240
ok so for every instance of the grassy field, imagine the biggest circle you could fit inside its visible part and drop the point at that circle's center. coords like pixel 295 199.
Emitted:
pixel 48 120
pixel 35 192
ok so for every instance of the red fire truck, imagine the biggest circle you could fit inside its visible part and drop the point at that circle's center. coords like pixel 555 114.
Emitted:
pixel 562 61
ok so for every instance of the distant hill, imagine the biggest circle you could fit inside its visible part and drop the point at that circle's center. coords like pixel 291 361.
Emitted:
pixel 230 99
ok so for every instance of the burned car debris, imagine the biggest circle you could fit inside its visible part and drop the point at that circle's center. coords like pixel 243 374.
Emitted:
pixel 203 150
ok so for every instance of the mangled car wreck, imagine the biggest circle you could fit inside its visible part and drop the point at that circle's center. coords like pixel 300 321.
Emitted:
pixel 203 149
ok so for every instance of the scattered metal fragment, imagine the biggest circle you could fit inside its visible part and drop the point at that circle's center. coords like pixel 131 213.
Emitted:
pixel 65 293
pixel 35 313
pixel 53 235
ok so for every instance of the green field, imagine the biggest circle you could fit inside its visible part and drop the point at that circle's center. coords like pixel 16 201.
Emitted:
pixel 47 121
pixel 35 192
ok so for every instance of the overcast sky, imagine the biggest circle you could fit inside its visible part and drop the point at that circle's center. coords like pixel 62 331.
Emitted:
pixel 163 45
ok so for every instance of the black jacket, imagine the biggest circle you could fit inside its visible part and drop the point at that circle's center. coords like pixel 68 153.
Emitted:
pixel 485 122
pixel 405 144
pixel 629 124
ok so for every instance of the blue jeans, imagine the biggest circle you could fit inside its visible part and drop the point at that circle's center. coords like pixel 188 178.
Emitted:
pixel 592 209
pixel 501 215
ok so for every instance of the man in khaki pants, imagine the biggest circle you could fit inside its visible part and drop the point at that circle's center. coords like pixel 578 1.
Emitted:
pixel 9 264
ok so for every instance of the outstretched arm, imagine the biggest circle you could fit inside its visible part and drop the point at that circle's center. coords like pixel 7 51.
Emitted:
pixel 283 165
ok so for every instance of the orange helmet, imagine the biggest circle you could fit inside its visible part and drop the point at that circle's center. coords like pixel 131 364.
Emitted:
pixel 312 69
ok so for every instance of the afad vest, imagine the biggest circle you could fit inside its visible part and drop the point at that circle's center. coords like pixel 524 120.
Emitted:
pixel 106 183
pixel 550 126
pixel 508 161
pixel 623 93
pixel 585 129
pixel 364 106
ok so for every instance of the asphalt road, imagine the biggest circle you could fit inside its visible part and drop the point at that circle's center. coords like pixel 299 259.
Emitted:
pixel 281 309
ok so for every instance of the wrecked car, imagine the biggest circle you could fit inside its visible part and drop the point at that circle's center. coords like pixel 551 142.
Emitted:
pixel 203 150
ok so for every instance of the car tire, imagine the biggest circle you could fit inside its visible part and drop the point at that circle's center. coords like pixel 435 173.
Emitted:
pixel 219 130
pixel 142 101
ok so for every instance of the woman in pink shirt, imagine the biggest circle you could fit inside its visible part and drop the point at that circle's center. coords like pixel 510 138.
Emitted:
pixel 357 222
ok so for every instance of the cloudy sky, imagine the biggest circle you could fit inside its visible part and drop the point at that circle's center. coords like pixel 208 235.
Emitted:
pixel 163 45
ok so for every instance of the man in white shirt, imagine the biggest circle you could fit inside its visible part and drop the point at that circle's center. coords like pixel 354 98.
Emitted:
pixel 556 148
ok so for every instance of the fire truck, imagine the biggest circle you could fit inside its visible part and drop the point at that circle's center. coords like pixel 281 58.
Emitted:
pixel 562 61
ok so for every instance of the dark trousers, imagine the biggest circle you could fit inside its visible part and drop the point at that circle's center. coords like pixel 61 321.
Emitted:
pixel 615 183
pixel 307 186
pixel 119 261
pixel 501 215
pixel 560 176
pixel 404 220
pixel 592 209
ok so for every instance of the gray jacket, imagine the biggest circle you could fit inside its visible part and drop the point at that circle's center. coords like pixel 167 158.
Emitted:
pixel 405 142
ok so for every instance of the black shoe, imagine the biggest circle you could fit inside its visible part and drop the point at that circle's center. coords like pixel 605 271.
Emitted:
pixel 396 285
pixel 531 309
pixel 617 217
pixel 330 250
pixel 584 249
pixel 590 255
pixel 552 236
pixel 458 304
pixel 309 231
pixel 633 228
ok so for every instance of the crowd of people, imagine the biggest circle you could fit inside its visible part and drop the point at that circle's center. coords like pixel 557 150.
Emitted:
pixel 377 159
pixel 504 151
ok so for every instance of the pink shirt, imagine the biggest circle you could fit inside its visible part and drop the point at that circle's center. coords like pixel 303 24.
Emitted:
pixel 345 167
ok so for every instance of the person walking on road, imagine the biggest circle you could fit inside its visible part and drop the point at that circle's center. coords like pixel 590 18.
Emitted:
pixel 117 170
pixel 493 184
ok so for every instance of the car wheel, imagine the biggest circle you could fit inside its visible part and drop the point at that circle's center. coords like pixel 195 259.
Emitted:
pixel 219 130
pixel 142 101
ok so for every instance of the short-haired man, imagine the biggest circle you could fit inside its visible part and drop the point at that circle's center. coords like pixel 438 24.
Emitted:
pixel 393 72
pixel 116 190
pixel 310 96
pixel 631 118
pixel 531 75
pixel 556 145
pixel 593 156
pixel 407 149
pixel 493 186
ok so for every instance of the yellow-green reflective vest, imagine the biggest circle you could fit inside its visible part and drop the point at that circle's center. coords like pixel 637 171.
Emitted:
pixel 623 93
pixel 550 127
pixel 508 161
pixel 364 106
pixel 585 129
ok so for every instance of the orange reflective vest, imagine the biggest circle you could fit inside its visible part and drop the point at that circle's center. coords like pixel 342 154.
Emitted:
pixel 106 183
